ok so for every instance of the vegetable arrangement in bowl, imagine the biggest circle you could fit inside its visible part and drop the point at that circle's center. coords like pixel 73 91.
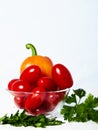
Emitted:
pixel 41 85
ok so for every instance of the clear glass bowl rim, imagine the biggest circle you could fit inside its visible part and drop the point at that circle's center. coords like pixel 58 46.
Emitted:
pixel 27 93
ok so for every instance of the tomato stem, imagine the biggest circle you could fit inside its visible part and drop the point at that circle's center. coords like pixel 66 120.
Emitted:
pixel 32 47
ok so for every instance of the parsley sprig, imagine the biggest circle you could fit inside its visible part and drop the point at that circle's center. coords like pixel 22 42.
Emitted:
pixel 23 119
pixel 79 107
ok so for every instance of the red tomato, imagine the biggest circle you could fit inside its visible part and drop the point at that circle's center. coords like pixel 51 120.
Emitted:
pixel 39 110
pixel 49 104
pixel 51 101
pixel 47 83
pixel 35 99
pixel 31 74
pixel 11 83
pixel 21 86
pixel 61 95
pixel 62 76
pixel 19 101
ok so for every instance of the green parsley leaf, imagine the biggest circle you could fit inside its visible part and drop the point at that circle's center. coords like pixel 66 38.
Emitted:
pixel 22 119
pixel 80 92
pixel 81 111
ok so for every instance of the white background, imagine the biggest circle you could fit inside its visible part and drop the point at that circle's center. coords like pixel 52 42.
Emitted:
pixel 64 30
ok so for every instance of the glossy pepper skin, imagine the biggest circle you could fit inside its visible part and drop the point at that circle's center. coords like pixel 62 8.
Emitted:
pixel 45 63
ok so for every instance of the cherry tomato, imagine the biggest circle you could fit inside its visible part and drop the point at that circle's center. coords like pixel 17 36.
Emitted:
pixel 11 83
pixel 40 110
pixel 49 104
pixel 62 76
pixel 51 101
pixel 35 99
pixel 61 95
pixel 19 101
pixel 21 86
pixel 31 74
pixel 47 83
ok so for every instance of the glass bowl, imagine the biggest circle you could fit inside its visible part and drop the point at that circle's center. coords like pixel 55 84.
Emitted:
pixel 48 103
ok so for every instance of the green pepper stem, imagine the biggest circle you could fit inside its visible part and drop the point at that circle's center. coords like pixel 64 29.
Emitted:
pixel 32 47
